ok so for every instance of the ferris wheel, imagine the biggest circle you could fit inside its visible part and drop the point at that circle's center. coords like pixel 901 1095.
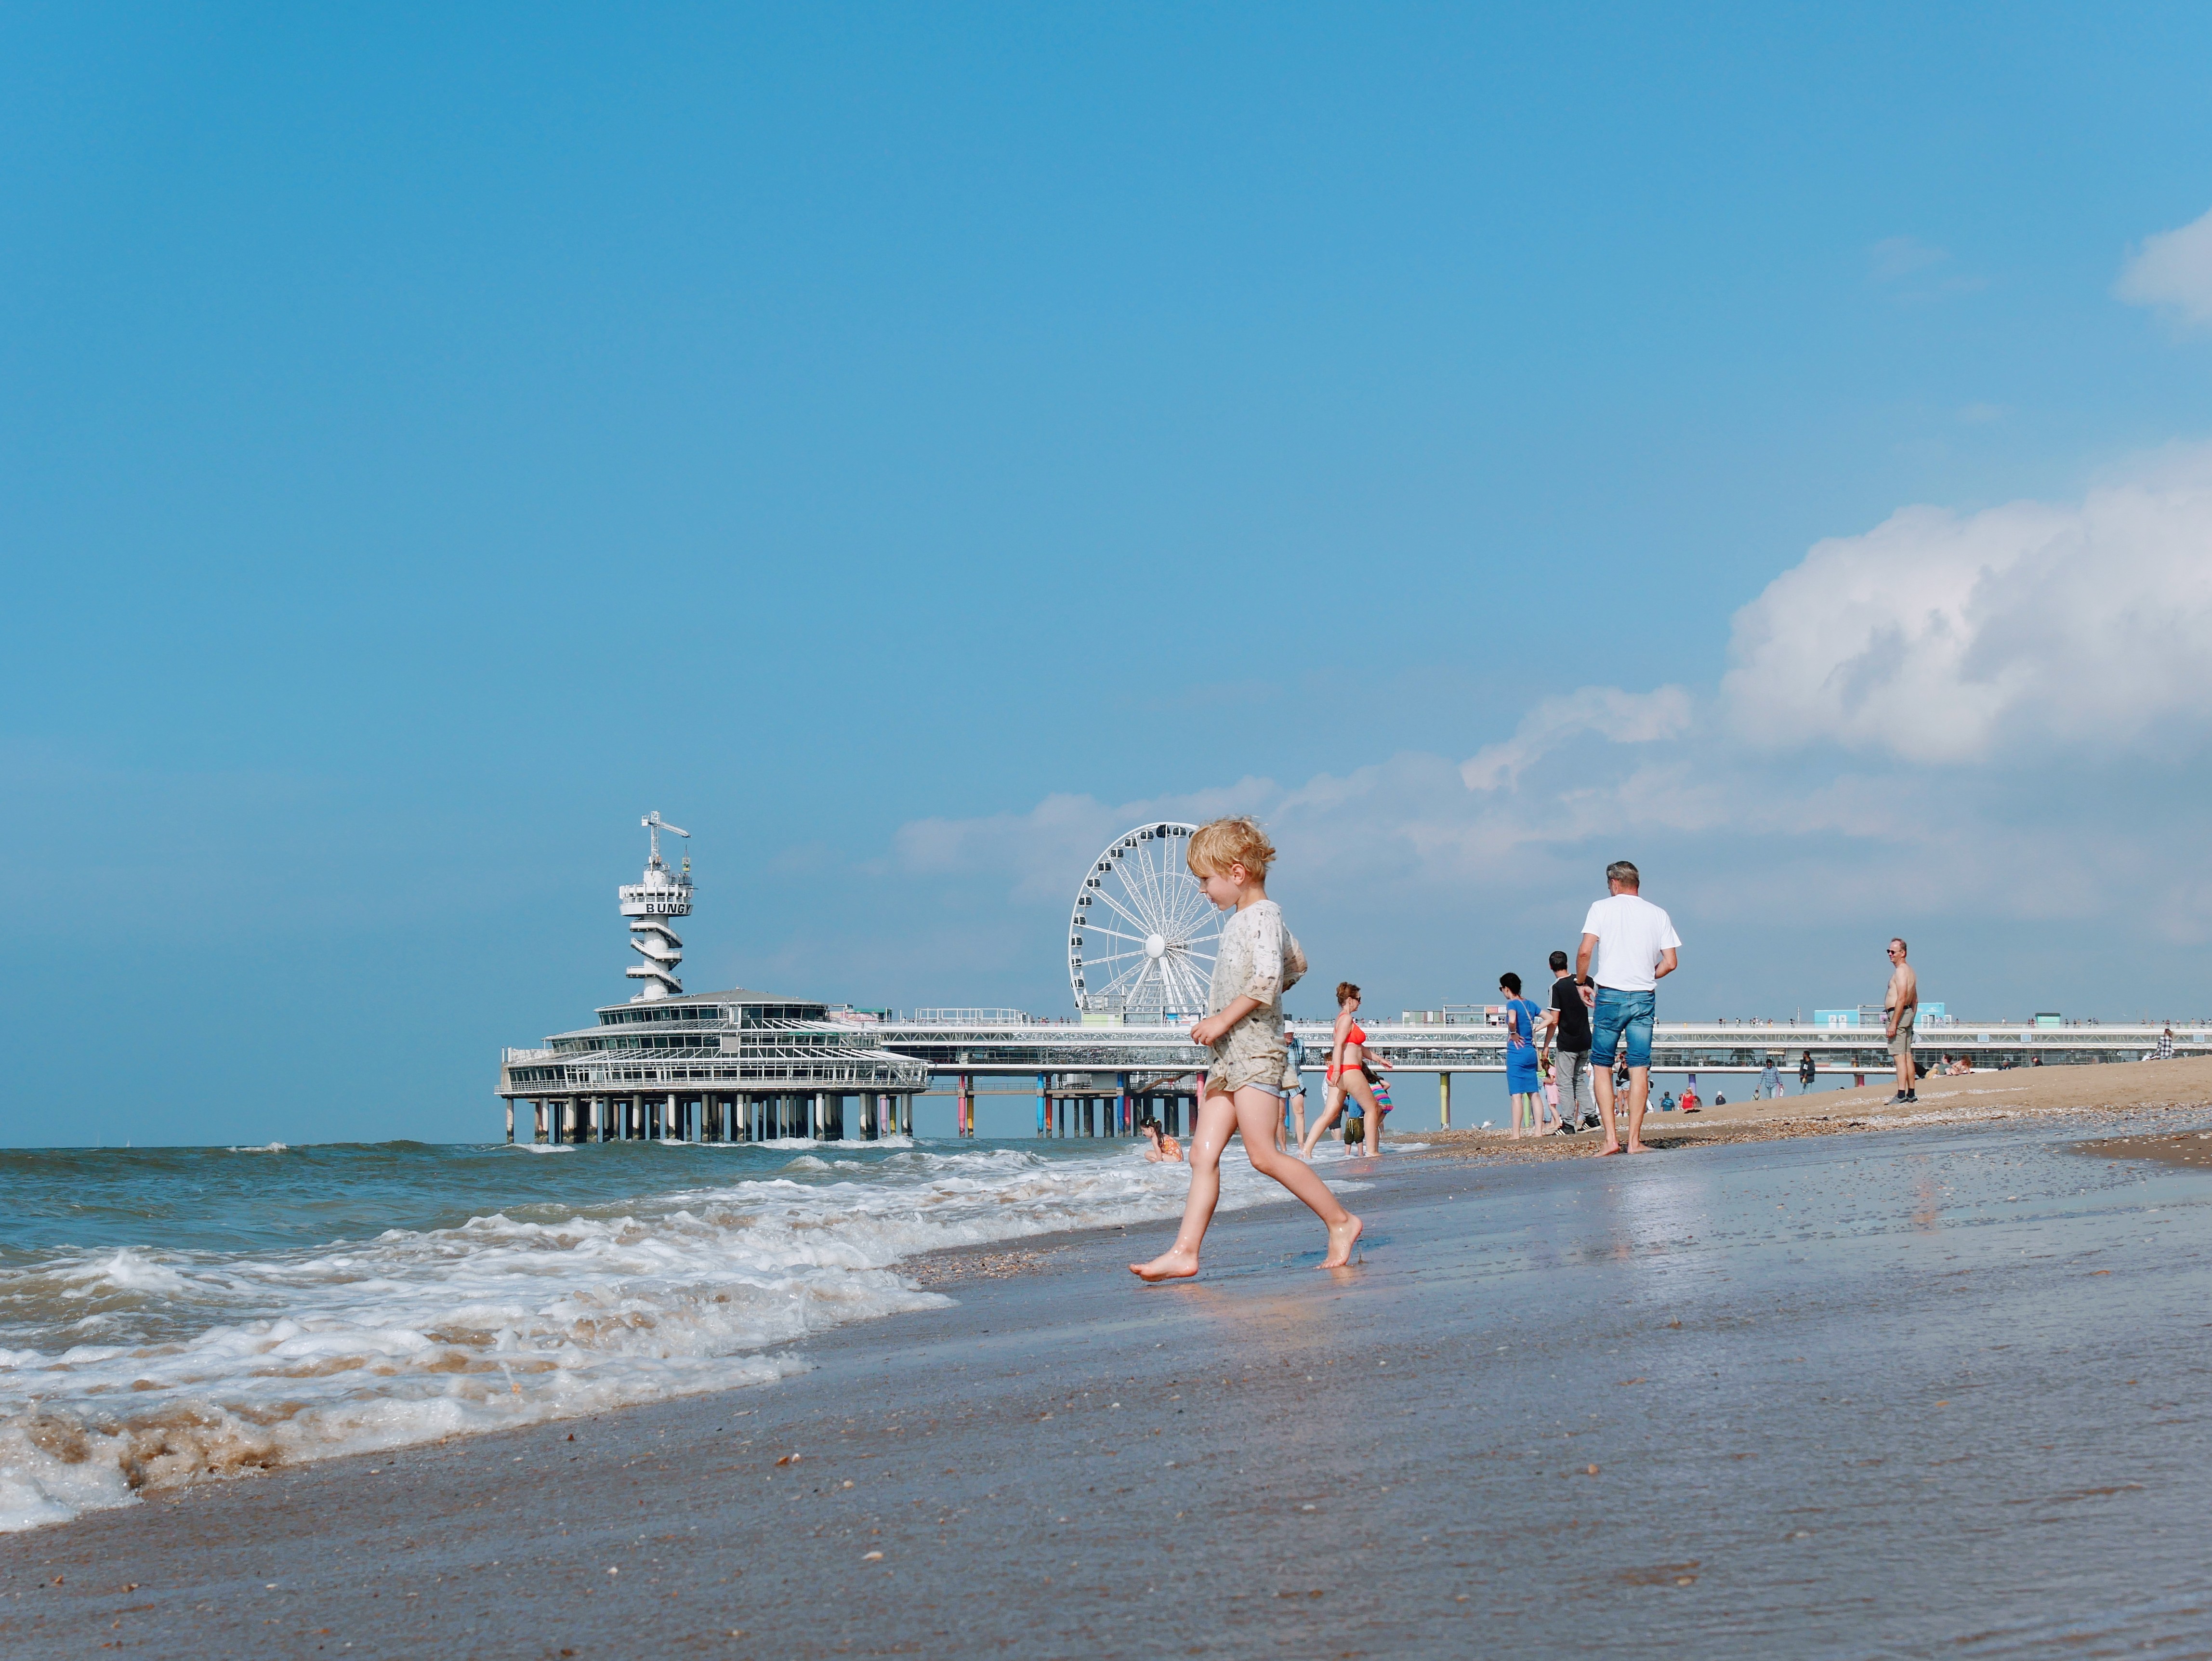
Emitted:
pixel 1142 935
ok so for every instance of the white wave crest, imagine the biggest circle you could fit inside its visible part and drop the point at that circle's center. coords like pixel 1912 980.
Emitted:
pixel 236 1362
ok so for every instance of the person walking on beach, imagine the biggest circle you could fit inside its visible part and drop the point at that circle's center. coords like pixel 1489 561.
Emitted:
pixel 1348 1061
pixel 1524 1082
pixel 1769 1081
pixel 1806 1071
pixel 1629 946
pixel 1294 1083
pixel 1566 1025
pixel 1900 1006
pixel 1256 959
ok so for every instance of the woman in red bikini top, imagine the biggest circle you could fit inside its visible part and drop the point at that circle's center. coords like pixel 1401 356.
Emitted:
pixel 1347 1075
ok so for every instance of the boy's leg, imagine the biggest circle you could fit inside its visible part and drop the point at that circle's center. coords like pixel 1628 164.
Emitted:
pixel 1217 1123
pixel 1256 1110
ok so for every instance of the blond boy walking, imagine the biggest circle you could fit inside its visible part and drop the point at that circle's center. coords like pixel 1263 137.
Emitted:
pixel 1255 962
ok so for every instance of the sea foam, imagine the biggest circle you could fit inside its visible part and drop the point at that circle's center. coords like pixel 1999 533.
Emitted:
pixel 163 1367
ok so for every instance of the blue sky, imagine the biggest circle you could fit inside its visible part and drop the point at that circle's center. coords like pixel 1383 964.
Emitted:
pixel 905 447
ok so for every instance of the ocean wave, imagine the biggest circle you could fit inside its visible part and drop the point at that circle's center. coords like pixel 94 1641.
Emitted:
pixel 162 1366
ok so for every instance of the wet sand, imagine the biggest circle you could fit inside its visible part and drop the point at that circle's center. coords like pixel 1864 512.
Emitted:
pixel 1939 1388
pixel 2187 1147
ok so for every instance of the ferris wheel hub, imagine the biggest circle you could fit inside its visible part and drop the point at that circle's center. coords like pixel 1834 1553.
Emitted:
pixel 1156 946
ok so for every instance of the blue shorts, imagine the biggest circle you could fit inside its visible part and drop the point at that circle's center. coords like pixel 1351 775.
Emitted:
pixel 1621 1014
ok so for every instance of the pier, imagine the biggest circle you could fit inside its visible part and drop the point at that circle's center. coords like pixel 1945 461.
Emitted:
pixel 742 1066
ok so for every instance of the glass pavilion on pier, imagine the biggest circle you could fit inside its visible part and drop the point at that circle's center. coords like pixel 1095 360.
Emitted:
pixel 727 1067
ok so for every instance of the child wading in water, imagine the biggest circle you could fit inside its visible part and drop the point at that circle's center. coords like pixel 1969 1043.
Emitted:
pixel 1257 959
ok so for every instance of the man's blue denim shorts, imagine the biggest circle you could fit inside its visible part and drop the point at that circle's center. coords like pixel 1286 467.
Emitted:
pixel 1621 1015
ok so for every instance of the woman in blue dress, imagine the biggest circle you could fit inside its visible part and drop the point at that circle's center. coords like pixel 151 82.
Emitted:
pixel 1523 1080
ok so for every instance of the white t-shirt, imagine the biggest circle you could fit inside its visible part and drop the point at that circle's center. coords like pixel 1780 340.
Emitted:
pixel 1631 932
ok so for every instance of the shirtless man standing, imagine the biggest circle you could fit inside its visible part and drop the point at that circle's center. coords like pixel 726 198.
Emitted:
pixel 1901 1003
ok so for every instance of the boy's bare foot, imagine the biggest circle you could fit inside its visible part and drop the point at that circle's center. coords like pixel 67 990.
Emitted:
pixel 1341 1238
pixel 1173 1264
pixel 1637 1148
pixel 1610 1147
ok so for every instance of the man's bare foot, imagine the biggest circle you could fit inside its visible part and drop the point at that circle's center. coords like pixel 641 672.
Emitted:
pixel 1341 1238
pixel 1637 1148
pixel 1173 1264
pixel 1610 1147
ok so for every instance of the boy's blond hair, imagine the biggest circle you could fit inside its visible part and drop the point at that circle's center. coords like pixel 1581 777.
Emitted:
pixel 1215 847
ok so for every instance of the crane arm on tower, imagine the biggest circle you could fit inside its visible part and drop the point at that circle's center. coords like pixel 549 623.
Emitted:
pixel 654 825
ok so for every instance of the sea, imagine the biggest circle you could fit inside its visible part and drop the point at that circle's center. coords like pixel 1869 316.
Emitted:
pixel 188 1315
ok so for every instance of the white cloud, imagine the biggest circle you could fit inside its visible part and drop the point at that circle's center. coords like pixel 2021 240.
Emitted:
pixel 1046 850
pixel 1623 717
pixel 1940 637
pixel 1894 257
pixel 2172 272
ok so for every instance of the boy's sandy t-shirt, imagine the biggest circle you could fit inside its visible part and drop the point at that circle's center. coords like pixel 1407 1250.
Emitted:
pixel 1257 959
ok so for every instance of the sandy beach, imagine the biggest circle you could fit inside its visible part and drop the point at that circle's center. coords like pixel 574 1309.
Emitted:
pixel 1812 1378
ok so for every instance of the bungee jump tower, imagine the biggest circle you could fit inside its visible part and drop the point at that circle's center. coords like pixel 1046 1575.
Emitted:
pixel 649 901
pixel 715 1067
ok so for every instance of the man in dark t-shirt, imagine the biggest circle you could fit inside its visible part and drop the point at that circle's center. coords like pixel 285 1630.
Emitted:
pixel 1567 1027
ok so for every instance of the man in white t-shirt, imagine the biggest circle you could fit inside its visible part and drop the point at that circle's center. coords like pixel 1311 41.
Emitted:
pixel 1633 944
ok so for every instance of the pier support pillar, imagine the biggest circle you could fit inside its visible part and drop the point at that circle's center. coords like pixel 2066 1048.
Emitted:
pixel 1443 1099
pixel 1121 1121
pixel 1044 1103
pixel 510 1121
